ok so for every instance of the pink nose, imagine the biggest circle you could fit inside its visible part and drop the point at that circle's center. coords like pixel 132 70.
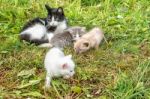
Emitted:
pixel 77 50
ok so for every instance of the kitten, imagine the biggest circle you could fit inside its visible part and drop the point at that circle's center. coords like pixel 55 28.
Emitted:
pixel 57 64
pixel 76 31
pixel 67 37
pixel 40 30
pixel 92 39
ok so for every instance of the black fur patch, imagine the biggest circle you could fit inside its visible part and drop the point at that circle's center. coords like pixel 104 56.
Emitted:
pixel 39 41
pixel 26 37
pixel 33 22
pixel 51 29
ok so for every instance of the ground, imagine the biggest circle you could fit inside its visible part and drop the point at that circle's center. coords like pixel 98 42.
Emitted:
pixel 119 69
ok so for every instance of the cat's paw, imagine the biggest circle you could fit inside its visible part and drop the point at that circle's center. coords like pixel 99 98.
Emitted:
pixel 50 36
pixel 48 45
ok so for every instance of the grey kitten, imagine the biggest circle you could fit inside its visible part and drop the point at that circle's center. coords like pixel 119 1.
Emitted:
pixel 76 32
pixel 67 37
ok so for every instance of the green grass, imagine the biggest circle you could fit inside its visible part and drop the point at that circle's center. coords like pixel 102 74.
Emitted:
pixel 119 69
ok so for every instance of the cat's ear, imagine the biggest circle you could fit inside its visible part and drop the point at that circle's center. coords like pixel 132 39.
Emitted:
pixel 60 10
pixel 48 8
pixel 65 66
pixel 69 56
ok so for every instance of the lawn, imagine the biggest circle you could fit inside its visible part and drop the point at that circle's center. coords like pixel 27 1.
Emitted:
pixel 119 69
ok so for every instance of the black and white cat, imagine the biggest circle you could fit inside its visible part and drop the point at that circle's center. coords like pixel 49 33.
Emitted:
pixel 41 30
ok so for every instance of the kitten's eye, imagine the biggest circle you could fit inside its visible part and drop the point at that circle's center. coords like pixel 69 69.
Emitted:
pixel 71 71
pixel 86 44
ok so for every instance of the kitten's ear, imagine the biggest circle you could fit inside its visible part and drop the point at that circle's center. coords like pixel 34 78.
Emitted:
pixel 83 28
pixel 64 66
pixel 70 31
pixel 60 11
pixel 69 56
pixel 86 44
pixel 48 8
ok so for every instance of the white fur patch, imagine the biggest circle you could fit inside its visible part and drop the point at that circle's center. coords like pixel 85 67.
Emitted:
pixel 77 37
pixel 35 32
pixel 50 36
pixel 45 45
pixel 53 22
pixel 62 25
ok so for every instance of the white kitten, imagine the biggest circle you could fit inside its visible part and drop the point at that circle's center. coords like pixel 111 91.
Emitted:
pixel 57 64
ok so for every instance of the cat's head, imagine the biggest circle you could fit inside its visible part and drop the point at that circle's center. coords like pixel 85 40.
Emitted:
pixel 81 45
pixel 67 66
pixel 76 32
pixel 55 17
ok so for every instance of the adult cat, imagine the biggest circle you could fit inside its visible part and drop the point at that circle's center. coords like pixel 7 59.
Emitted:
pixel 41 30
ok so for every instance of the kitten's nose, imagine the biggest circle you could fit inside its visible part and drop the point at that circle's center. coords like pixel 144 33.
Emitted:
pixel 77 51
pixel 73 73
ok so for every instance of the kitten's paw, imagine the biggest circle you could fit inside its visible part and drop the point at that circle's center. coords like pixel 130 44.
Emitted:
pixel 66 77
pixel 47 86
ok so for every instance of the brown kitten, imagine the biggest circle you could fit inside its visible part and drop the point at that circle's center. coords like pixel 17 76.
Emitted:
pixel 92 39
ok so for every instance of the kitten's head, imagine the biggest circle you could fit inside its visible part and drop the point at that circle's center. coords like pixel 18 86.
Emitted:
pixel 67 66
pixel 76 32
pixel 81 45
pixel 55 17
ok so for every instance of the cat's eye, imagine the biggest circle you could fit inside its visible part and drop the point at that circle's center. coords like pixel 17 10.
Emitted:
pixel 71 71
pixel 57 18
pixel 48 19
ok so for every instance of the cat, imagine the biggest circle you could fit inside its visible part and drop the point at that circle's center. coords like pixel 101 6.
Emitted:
pixel 41 30
pixel 67 37
pixel 57 64
pixel 92 39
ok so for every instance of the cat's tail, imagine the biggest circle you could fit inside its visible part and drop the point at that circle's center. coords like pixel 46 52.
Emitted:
pixel 42 42
pixel 25 37
pixel 48 45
